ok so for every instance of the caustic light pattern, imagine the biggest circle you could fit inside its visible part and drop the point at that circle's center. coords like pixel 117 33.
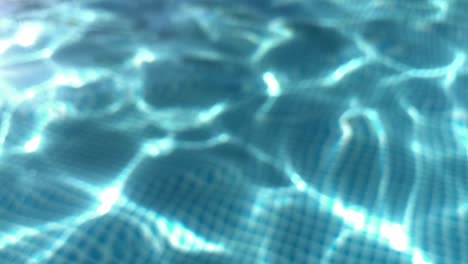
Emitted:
pixel 242 132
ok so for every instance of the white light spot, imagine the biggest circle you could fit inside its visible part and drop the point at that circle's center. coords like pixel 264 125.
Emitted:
pixel 108 197
pixel 158 147
pixel 30 94
pixel 418 258
pixel 184 239
pixel 143 56
pixel 346 129
pixel 338 208
pixel 396 236
pixel 210 114
pixel 28 34
pixel 152 150
pixel 301 185
pixel 376 123
pixel 355 219
pixel 71 79
pixel 345 69
pixel 272 84
pixel 33 144
pixel 47 53
pixel 413 113
pixel 4 46
pixel 296 180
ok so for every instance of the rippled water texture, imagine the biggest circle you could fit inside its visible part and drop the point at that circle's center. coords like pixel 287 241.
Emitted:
pixel 212 131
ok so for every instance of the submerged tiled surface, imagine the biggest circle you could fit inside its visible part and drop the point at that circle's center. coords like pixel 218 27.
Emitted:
pixel 233 131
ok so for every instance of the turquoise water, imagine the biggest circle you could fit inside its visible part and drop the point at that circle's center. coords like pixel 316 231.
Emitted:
pixel 212 131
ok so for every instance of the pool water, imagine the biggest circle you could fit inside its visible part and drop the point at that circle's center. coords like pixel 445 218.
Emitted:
pixel 210 131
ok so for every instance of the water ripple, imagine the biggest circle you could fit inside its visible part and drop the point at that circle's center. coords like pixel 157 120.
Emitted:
pixel 210 131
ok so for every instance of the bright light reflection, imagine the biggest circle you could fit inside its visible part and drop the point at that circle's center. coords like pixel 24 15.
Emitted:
pixel 158 147
pixel 30 94
pixel 67 79
pixel 28 34
pixel 396 236
pixel 108 197
pixel 413 113
pixel 345 69
pixel 353 218
pixel 184 239
pixel 297 180
pixel 346 129
pixel 301 186
pixel 272 84
pixel 211 113
pixel 418 258
pixel 143 56
pixel 47 53
pixel 376 123
pixel 4 46
pixel 33 144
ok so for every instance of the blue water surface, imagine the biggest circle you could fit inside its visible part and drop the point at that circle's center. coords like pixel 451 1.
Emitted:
pixel 211 131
